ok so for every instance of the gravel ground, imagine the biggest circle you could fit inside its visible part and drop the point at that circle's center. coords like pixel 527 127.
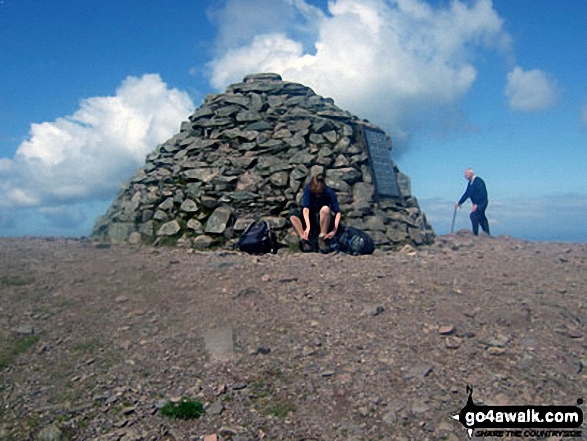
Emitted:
pixel 96 338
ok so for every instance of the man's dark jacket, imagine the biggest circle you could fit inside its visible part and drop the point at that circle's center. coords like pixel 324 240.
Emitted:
pixel 477 192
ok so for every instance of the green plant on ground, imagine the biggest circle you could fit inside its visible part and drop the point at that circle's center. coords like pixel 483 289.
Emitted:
pixel 184 410
pixel 16 280
pixel 278 408
pixel 13 348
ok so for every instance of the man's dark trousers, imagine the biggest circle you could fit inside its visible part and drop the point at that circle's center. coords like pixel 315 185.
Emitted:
pixel 478 218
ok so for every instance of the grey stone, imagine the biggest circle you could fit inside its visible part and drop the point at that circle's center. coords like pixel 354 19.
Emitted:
pixel 275 222
pixel 219 343
pixel 200 174
pixel 248 116
pixel 375 223
pixel 218 220
pixel 302 158
pixel 134 238
pixel 259 126
pixel 363 192
pixel 188 206
pixel 24 330
pixel 249 182
pixel 338 184
pixel 242 223
pixel 215 408
pixel 161 216
pixel 282 133
pixel 203 242
pixel 279 179
pixel 169 228
pixel 120 231
pixel 341 161
pixel 325 152
pixel 195 225
pixel 348 174
pixel 331 136
pixel 50 433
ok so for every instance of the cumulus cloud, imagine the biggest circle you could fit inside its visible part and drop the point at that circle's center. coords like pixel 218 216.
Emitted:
pixel 393 62
pixel 531 90
pixel 85 156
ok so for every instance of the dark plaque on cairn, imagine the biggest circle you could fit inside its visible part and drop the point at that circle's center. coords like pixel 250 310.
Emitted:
pixel 379 150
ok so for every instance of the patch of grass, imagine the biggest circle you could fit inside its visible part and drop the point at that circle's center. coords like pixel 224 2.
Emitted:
pixel 279 408
pixel 167 241
pixel 13 348
pixel 184 410
pixel 90 346
pixel 16 280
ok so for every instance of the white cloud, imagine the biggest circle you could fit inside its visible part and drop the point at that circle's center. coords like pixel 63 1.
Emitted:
pixel 393 62
pixel 531 90
pixel 238 22
pixel 85 156
pixel 61 177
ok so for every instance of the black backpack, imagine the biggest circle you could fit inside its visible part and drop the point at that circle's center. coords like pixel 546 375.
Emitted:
pixel 354 241
pixel 257 239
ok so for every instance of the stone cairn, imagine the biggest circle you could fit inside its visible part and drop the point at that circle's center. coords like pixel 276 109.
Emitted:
pixel 246 155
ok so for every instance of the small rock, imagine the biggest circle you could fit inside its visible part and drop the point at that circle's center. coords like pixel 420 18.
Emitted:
pixel 453 342
pixel 129 410
pixel 446 330
pixel 227 432
pixel 263 350
pixel 239 386
pixel 212 437
pixel 419 371
pixel 493 350
pixel 134 238
pixel 265 278
pixel 574 333
pixel 373 310
pixel 24 330
pixel 216 408
pixel 50 433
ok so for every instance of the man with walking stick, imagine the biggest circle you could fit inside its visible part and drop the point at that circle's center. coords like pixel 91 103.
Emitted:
pixel 477 191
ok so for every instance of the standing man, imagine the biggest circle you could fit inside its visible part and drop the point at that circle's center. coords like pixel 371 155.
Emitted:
pixel 477 191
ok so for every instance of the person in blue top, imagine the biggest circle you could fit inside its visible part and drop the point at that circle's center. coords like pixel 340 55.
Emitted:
pixel 320 216
pixel 477 191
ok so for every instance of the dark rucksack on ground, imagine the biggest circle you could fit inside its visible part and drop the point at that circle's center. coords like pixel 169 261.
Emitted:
pixel 257 239
pixel 354 241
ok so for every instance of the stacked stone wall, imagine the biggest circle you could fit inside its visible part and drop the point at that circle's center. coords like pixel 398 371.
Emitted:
pixel 247 154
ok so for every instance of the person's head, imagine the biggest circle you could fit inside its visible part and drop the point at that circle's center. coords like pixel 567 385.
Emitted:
pixel 317 184
pixel 469 174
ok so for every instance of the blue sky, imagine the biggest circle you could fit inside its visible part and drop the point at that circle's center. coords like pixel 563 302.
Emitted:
pixel 88 89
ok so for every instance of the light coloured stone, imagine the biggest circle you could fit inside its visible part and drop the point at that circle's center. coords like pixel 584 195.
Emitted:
pixel 169 228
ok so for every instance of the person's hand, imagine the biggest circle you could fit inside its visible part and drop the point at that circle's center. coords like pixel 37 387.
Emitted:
pixel 457 205
pixel 474 207
pixel 330 235
pixel 306 234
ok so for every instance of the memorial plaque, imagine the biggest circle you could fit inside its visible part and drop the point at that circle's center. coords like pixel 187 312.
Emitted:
pixel 380 157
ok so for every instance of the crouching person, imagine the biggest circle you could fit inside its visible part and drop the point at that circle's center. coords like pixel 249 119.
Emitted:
pixel 320 216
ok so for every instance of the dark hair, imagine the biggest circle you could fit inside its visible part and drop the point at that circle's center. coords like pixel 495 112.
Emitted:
pixel 317 184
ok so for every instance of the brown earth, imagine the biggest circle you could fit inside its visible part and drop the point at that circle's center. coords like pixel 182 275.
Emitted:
pixel 326 347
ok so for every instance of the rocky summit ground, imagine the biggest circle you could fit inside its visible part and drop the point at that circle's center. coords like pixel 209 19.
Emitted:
pixel 95 339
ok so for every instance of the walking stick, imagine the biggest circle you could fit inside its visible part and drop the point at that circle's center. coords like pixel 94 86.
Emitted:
pixel 452 226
